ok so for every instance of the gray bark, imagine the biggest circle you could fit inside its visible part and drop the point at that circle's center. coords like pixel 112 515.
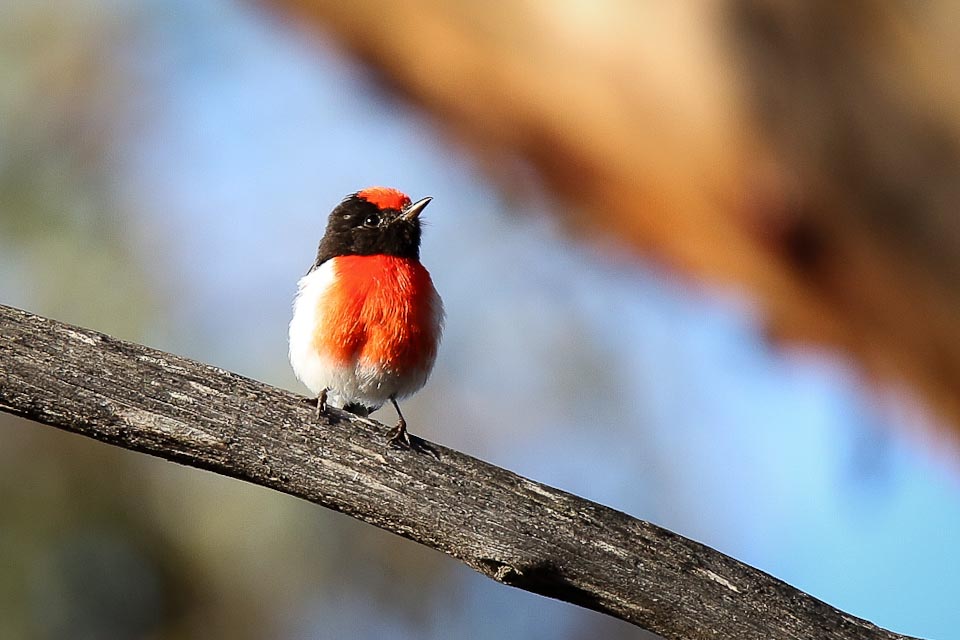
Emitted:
pixel 514 530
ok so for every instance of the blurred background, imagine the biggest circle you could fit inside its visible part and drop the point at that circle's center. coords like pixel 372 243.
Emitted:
pixel 700 263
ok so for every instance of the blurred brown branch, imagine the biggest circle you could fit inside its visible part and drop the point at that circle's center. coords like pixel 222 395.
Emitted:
pixel 807 152
pixel 512 529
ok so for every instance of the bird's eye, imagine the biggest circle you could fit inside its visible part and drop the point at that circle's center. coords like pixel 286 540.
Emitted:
pixel 371 220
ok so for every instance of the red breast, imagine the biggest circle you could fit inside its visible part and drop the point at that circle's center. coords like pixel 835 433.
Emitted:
pixel 379 311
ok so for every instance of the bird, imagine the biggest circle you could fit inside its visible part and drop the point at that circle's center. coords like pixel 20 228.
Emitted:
pixel 367 319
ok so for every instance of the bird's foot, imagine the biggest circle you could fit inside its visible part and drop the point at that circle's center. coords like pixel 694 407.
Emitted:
pixel 398 436
pixel 321 403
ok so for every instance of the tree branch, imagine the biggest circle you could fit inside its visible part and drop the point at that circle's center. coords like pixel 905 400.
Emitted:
pixel 509 528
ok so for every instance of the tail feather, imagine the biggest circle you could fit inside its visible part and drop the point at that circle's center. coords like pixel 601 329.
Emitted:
pixel 358 409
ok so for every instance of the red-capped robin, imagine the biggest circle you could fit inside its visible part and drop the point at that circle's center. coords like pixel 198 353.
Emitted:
pixel 367 319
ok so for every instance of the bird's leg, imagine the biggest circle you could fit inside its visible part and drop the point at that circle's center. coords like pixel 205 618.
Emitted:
pixel 398 435
pixel 322 403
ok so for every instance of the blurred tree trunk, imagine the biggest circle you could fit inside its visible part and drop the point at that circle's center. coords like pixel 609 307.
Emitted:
pixel 806 152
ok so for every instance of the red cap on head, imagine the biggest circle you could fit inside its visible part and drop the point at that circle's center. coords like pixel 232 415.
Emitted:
pixel 384 197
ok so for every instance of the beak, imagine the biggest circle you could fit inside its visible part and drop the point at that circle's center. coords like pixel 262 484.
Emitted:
pixel 414 210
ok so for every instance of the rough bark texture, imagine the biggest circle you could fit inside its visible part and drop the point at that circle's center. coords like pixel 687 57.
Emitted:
pixel 512 529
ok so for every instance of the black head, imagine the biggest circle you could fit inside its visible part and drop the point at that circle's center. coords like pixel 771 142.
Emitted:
pixel 375 221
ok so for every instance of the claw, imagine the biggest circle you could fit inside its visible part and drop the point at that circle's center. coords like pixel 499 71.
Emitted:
pixel 321 403
pixel 398 436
